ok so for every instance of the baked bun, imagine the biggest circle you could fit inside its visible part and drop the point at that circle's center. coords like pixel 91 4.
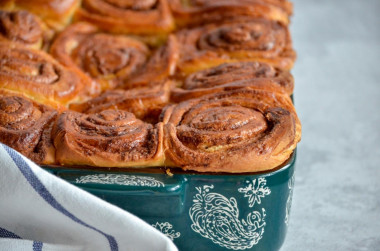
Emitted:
pixel 26 126
pixel 231 76
pixel 55 13
pixel 113 60
pixel 236 131
pixel 110 138
pixel 250 40
pixel 196 12
pixel 141 17
pixel 40 77
pixel 24 28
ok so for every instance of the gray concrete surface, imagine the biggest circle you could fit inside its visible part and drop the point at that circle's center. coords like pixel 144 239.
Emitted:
pixel 336 202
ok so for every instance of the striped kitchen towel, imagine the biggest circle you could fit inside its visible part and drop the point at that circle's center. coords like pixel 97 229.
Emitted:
pixel 39 211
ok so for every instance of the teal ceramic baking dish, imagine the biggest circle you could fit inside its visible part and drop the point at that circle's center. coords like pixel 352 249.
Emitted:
pixel 199 211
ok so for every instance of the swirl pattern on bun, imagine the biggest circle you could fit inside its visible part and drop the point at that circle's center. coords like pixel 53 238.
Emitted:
pixel 110 138
pixel 251 40
pixel 26 126
pixel 112 60
pixel 23 28
pixel 230 76
pixel 236 131
pixel 40 77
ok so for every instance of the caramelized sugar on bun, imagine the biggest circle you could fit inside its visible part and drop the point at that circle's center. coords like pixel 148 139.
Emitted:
pixel 113 60
pixel 236 131
pixel 40 77
pixel 26 127
pixel 251 40
pixel 110 138
pixel 232 76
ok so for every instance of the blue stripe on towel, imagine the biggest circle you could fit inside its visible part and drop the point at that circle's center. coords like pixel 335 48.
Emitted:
pixel 37 246
pixel 46 195
pixel 8 234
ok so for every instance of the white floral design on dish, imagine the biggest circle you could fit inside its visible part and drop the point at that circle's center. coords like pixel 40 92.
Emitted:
pixel 166 229
pixel 120 179
pixel 217 218
pixel 255 190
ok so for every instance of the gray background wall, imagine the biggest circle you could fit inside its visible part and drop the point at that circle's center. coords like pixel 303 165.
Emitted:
pixel 336 202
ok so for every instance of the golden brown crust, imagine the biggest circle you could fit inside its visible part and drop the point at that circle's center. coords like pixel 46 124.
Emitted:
pixel 232 76
pixel 39 76
pixel 146 102
pixel 237 131
pixel 196 12
pixel 250 40
pixel 24 28
pixel 26 126
pixel 142 17
pixel 110 138
pixel 112 60
pixel 55 13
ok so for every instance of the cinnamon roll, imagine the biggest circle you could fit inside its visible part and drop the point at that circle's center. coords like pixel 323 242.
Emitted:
pixel 111 60
pixel 38 76
pixel 146 102
pixel 231 76
pixel 110 138
pixel 55 13
pixel 142 17
pixel 251 40
pixel 195 12
pixel 161 65
pixel 243 130
pixel 26 126
pixel 23 28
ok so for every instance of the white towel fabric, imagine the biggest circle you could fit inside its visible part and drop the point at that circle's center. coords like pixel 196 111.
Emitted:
pixel 39 211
